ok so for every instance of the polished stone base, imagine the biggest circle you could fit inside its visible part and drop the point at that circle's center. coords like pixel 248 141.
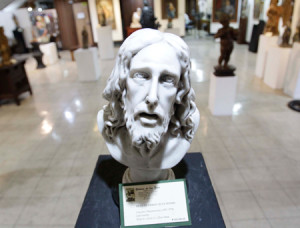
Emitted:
pixel 221 71
pixel 99 209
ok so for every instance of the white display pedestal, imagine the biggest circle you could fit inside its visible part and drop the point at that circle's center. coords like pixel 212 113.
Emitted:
pixel 265 42
pixel 50 53
pixel 87 62
pixel 292 75
pixel 222 92
pixel 277 60
pixel 105 42
pixel 174 31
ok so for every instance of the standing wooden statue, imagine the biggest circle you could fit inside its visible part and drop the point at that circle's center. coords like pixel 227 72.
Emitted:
pixel 227 35
pixel 287 13
pixel 4 49
pixel 296 37
pixel 85 38
pixel 274 13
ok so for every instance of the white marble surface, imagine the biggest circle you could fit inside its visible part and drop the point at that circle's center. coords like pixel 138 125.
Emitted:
pixel 265 42
pixel 276 66
pixel 58 123
pixel 222 93
pixel 147 94
pixel 87 62
pixel 50 53
pixel 105 42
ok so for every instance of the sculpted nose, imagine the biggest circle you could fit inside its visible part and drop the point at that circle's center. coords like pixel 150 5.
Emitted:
pixel 152 99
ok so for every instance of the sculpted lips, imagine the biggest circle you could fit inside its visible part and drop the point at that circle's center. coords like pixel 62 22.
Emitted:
pixel 148 119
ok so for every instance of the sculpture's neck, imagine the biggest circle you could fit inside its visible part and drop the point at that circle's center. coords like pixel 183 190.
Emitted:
pixel 133 175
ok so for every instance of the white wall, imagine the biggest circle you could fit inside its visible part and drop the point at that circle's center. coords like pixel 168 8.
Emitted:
pixel 6 20
pixel 177 23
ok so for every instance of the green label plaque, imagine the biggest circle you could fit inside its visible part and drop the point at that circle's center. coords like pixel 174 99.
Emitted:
pixel 154 204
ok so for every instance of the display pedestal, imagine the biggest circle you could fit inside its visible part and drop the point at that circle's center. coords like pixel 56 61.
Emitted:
pixel 277 60
pixel 222 92
pixel 14 81
pixel 99 209
pixel 87 62
pixel 174 31
pixel 105 42
pixel 265 43
pixel 50 53
pixel 292 75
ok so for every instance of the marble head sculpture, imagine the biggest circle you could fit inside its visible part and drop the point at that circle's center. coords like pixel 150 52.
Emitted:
pixel 151 116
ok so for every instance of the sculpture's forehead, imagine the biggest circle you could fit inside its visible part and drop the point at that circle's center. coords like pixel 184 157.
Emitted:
pixel 160 53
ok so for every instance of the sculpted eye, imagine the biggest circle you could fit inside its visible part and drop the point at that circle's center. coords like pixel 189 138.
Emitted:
pixel 141 76
pixel 167 79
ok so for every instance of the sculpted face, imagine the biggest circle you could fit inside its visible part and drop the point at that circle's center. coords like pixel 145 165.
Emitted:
pixel 151 88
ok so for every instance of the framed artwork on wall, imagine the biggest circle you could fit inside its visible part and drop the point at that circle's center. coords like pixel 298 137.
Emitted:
pixel 229 7
pixel 110 9
pixel 106 8
pixel 169 8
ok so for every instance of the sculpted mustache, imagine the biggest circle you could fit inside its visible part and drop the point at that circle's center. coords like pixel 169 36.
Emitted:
pixel 138 111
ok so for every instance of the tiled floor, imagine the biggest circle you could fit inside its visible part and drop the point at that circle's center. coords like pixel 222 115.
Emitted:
pixel 49 145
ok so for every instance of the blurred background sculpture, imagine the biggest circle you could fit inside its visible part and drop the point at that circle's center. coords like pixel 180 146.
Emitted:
pixel 274 13
pixel 296 37
pixel 20 46
pixel 287 13
pixel 4 49
pixel 85 38
pixel 151 117
pixel 227 34
pixel 171 10
pixel 286 36
pixel 101 16
pixel 136 16
pixel 147 18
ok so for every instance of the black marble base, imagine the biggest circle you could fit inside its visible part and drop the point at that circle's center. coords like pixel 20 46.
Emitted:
pixel 294 105
pixel 221 71
pixel 100 211
pixel 256 32
pixel 39 59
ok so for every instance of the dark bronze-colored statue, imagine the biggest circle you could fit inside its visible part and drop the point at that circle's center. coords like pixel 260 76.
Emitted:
pixel 274 13
pixel 286 36
pixel 296 37
pixel 227 34
pixel 4 49
pixel 147 18
pixel 18 32
pixel 85 38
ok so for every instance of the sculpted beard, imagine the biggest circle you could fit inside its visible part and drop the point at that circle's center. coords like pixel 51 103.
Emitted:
pixel 141 136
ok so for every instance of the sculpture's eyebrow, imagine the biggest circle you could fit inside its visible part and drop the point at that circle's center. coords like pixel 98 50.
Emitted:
pixel 169 73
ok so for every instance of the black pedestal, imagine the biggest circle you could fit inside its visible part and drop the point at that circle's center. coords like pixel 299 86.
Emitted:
pixel 100 211
pixel 221 71
pixel 39 59
pixel 256 32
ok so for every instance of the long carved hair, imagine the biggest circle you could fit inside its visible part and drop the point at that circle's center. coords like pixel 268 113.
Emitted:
pixel 184 106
